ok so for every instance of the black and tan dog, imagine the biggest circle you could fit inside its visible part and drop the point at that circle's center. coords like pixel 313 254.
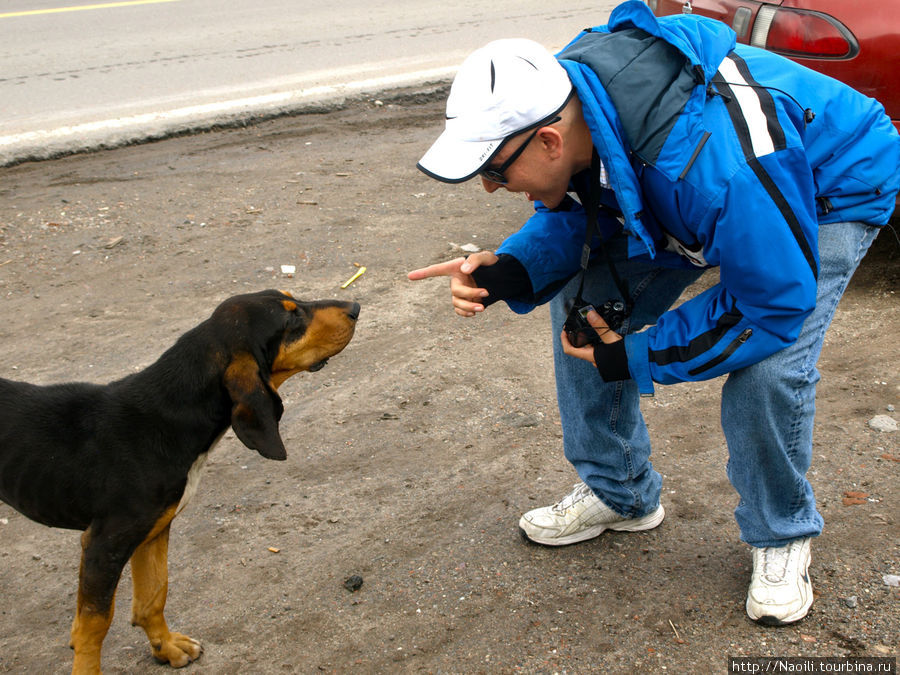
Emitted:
pixel 119 461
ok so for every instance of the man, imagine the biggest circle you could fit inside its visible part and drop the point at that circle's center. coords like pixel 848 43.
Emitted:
pixel 689 152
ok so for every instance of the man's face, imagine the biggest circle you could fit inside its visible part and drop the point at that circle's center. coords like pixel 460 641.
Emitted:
pixel 538 171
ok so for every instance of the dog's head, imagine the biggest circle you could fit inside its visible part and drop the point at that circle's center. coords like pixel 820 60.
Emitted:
pixel 269 336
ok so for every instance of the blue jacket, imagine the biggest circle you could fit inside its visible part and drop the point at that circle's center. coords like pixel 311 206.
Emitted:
pixel 727 153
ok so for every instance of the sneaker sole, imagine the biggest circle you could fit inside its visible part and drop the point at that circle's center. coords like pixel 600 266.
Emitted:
pixel 775 622
pixel 769 620
pixel 648 522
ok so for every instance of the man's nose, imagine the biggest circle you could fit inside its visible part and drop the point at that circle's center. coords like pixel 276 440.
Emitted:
pixel 489 185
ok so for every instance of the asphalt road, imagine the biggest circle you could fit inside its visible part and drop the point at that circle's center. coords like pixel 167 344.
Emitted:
pixel 77 76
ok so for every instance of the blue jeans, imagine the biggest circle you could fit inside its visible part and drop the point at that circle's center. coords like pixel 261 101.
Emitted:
pixel 767 408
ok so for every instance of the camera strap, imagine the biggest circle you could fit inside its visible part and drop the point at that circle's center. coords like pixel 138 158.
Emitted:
pixel 591 203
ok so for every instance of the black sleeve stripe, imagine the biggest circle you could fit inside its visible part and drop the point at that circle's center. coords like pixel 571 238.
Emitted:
pixel 788 213
pixel 700 344
pixel 740 125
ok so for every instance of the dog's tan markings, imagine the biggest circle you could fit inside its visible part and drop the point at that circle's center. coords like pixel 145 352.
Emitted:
pixel 162 523
pixel 289 306
pixel 242 373
pixel 91 621
pixel 243 382
pixel 279 378
pixel 328 333
pixel 149 573
pixel 88 632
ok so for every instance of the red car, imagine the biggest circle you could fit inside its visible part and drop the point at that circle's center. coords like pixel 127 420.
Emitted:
pixel 855 41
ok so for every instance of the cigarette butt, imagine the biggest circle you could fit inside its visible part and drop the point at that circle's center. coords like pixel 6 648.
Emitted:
pixel 274 550
pixel 356 276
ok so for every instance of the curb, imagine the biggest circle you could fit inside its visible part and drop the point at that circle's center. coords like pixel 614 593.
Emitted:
pixel 147 127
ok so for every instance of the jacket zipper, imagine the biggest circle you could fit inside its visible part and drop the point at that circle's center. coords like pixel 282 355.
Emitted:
pixel 729 350
pixel 693 158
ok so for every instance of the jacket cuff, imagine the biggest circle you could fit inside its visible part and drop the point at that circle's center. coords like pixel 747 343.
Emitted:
pixel 637 348
pixel 506 279
pixel 611 360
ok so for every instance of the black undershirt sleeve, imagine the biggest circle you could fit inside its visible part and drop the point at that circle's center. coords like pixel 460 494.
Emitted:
pixel 506 279
pixel 612 361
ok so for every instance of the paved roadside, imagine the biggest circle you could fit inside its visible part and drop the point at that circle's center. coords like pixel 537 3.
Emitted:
pixel 101 75
pixel 106 134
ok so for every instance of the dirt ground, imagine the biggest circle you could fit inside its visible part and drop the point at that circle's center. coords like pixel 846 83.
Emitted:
pixel 413 454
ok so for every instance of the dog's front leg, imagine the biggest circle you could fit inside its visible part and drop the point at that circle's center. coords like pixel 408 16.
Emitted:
pixel 101 567
pixel 149 570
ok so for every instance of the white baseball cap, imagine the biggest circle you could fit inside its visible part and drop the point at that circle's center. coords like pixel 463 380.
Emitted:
pixel 506 87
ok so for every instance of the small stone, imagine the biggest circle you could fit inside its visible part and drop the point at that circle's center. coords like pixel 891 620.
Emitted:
pixel 883 423
pixel 851 602
pixel 891 580
pixel 353 583
pixel 519 420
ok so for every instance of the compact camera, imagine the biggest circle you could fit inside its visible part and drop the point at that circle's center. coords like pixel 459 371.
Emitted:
pixel 581 333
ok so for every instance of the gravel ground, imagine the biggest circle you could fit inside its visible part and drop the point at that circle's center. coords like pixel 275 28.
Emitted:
pixel 412 455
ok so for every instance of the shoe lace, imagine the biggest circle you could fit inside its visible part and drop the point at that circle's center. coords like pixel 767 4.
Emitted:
pixel 580 491
pixel 775 562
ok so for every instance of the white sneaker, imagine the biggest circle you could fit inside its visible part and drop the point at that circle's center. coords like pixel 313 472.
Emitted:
pixel 579 516
pixel 780 590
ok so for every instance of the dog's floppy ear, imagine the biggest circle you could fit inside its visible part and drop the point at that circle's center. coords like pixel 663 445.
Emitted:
pixel 256 408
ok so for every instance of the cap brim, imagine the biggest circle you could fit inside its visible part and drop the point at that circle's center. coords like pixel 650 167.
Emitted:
pixel 454 161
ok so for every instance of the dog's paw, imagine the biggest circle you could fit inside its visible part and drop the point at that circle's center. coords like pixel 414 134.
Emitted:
pixel 178 650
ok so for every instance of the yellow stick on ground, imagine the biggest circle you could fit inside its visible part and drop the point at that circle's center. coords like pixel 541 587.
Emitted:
pixel 356 276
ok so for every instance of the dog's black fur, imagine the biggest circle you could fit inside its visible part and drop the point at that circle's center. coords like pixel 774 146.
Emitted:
pixel 114 460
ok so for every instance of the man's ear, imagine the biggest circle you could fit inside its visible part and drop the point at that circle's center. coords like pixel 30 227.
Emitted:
pixel 551 141
pixel 256 408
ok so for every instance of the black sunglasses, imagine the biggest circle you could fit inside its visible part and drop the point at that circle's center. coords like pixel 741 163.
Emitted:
pixel 497 175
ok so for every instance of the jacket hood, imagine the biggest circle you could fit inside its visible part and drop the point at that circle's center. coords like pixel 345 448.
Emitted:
pixel 642 84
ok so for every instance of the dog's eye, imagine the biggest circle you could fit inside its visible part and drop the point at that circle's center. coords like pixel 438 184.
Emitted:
pixel 297 320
